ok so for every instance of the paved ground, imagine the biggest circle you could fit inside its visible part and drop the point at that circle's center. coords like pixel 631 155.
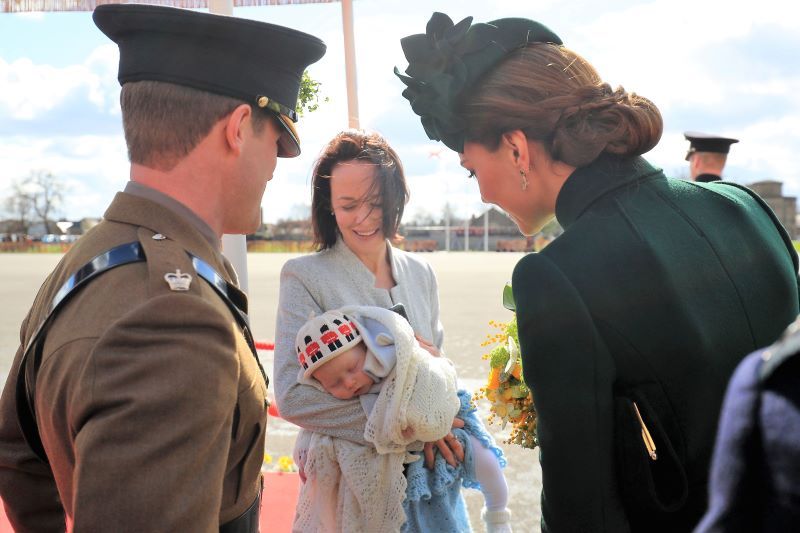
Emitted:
pixel 470 287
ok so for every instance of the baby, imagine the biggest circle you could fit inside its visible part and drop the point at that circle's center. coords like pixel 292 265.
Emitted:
pixel 351 358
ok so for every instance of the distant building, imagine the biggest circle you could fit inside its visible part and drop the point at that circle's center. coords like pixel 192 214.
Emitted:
pixel 785 207
pixel 438 237
pixel 289 230
pixel 84 225
pixel 499 223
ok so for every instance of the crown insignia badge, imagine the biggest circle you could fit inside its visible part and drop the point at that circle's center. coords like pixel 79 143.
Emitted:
pixel 178 281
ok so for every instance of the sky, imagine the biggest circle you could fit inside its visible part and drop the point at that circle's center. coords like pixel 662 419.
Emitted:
pixel 728 67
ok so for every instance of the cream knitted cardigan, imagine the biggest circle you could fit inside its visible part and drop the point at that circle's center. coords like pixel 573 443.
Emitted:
pixel 360 488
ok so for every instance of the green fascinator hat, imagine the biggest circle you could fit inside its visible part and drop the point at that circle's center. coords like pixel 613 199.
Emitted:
pixel 450 58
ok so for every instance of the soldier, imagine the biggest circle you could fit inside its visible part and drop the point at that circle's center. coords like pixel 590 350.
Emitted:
pixel 707 155
pixel 136 401
pixel 755 475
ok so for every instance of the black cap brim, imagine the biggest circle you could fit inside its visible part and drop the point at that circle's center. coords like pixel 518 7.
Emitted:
pixel 289 141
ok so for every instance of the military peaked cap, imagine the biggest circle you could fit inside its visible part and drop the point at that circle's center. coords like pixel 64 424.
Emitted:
pixel 703 142
pixel 259 63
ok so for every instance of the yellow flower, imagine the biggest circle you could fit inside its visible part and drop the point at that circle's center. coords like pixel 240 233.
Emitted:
pixel 267 459
pixel 510 399
pixel 285 464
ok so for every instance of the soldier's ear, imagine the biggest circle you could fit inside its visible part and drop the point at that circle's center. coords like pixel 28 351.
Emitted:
pixel 235 127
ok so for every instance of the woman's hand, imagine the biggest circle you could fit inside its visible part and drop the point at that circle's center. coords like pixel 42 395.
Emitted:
pixel 449 447
pixel 427 346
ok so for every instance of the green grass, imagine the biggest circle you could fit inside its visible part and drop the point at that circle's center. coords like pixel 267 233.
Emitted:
pixel 33 248
pixel 279 246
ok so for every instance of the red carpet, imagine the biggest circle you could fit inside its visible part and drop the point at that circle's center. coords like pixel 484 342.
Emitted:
pixel 277 508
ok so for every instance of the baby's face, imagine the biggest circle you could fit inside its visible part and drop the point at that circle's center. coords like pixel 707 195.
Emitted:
pixel 344 376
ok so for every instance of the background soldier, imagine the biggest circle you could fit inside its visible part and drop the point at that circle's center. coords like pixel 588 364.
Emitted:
pixel 136 401
pixel 707 155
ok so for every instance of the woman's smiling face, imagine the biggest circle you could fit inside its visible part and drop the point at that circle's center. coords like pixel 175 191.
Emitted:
pixel 357 207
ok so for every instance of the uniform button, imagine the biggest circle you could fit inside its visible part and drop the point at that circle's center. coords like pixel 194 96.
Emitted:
pixel 158 237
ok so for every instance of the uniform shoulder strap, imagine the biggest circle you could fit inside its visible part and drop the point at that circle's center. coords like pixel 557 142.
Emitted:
pixel 32 355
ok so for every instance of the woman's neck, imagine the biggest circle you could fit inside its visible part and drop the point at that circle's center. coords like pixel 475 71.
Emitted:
pixel 377 262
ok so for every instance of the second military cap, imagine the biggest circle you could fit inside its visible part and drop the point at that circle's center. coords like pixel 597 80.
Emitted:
pixel 704 142
pixel 259 63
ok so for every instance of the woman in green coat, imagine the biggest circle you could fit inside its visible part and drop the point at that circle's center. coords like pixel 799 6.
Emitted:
pixel 632 321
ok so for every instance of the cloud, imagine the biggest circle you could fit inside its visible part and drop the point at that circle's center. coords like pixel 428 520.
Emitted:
pixel 32 91
pixel 727 67
pixel 92 167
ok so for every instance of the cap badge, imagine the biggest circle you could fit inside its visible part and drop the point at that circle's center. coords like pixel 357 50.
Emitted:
pixel 178 281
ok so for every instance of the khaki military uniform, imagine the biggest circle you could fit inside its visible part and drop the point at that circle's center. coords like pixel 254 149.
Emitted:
pixel 149 401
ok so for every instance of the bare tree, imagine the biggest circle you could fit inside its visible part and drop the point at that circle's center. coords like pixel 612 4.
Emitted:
pixel 448 215
pixel 47 193
pixel 19 206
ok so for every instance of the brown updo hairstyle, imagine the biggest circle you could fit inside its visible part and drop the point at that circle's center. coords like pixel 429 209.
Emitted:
pixel 557 98
pixel 389 189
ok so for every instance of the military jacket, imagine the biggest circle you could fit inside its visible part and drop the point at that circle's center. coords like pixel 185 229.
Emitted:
pixel 149 401
pixel 755 474
pixel 641 309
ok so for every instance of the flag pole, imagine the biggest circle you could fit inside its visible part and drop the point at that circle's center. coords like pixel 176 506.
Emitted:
pixel 350 63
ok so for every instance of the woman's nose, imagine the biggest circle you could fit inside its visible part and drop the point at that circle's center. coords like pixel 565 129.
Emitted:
pixel 364 211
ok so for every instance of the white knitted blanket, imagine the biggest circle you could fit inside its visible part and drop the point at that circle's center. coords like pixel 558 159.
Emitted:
pixel 353 488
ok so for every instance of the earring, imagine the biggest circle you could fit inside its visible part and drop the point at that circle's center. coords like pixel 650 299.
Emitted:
pixel 524 179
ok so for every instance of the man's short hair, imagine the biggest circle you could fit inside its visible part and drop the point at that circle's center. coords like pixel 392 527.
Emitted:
pixel 164 122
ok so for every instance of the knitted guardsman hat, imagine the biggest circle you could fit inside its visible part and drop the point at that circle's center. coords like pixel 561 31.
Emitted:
pixel 259 63
pixel 324 337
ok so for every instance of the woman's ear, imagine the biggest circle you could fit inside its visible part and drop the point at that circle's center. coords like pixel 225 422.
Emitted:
pixel 516 143
pixel 235 134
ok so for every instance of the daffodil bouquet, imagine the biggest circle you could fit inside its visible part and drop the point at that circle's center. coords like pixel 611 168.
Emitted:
pixel 283 464
pixel 511 399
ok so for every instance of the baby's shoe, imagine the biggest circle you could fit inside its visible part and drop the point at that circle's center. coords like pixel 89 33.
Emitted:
pixel 497 521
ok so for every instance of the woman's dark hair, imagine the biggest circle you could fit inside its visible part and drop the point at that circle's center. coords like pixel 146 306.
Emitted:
pixel 557 98
pixel 388 189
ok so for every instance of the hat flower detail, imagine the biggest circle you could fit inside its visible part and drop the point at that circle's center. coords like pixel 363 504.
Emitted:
pixel 450 58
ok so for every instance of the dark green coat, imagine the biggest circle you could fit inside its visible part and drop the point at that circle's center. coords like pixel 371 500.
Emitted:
pixel 655 291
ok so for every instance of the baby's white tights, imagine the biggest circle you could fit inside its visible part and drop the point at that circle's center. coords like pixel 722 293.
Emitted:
pixel 494 487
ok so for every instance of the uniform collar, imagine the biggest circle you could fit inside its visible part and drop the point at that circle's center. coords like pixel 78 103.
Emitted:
pixel 143 191
pixel 706 178
pixel 600 177
pixel 136 210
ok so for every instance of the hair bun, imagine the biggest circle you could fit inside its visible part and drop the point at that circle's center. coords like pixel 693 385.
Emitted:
pixel 605 120
pixel 557 98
